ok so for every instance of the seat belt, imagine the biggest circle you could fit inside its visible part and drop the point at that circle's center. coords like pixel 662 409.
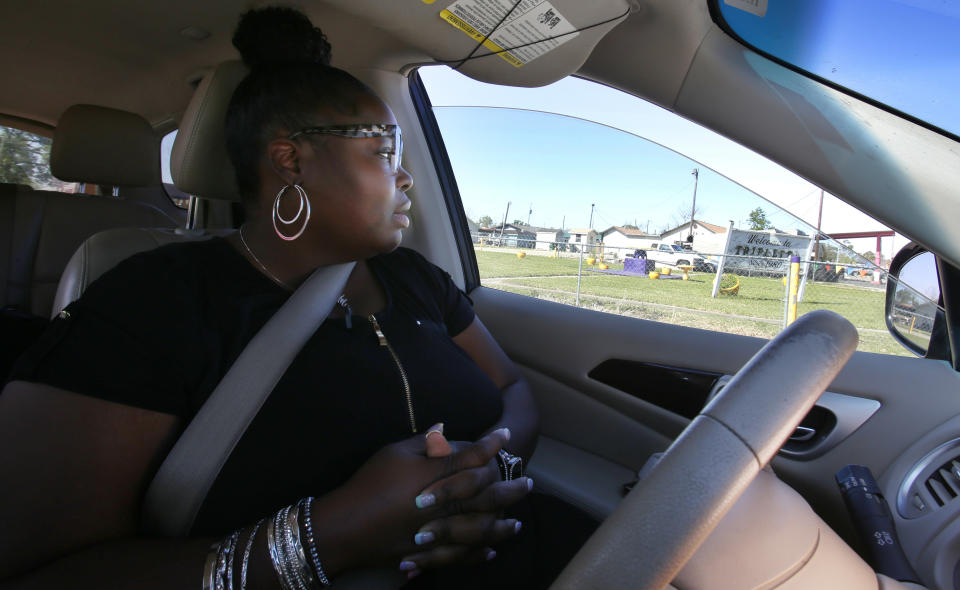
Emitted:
pixel 186 475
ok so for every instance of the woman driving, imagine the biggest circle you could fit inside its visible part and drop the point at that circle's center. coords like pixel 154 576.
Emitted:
pixel 347 465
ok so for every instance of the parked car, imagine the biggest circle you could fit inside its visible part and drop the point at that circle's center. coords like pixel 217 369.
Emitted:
pixel 674 255
pixel 614 389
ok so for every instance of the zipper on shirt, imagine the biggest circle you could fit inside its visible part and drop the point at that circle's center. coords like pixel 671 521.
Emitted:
pixel 403 374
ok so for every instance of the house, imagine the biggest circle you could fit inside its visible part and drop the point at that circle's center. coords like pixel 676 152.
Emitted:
pixel 585 236
pixel 547 236
pixel 622 241
pixel 509 235
pixel 707 237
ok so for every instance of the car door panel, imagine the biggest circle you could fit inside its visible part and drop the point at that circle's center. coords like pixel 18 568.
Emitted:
pixel 558 346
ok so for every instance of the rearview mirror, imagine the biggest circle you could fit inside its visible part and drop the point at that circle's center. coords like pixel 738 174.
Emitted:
pixel 913 314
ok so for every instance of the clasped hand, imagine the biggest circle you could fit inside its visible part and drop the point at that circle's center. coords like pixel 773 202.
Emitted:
pixel 423 503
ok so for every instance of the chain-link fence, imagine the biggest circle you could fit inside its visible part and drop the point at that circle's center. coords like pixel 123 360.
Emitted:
pixel 751 297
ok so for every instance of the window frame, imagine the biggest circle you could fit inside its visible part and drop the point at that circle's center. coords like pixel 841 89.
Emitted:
pixel 448 182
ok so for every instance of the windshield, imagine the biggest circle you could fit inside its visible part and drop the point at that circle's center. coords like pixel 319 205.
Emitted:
pixel 901 53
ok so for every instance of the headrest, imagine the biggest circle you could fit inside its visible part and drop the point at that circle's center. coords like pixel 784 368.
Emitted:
pixel 100 145
pixel 199 162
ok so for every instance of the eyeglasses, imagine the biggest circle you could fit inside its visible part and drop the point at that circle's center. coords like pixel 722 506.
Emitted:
pixel 363 130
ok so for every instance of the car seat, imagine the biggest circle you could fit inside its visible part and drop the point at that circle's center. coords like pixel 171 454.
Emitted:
pixel 200 167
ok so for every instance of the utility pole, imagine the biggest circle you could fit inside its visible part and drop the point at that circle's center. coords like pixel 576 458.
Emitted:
pixel 504 224
pixel 693 208
pixel 580 267
pixel 816 239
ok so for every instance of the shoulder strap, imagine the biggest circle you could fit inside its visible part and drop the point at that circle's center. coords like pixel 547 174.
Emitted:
pixel 186 475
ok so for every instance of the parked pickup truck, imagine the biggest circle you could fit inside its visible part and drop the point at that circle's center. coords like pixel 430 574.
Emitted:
pixel 673 255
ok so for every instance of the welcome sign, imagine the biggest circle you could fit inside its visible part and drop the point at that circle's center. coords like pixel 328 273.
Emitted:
pixel 762 253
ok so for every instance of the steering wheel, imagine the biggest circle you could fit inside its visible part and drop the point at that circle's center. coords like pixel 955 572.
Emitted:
pixel 662 522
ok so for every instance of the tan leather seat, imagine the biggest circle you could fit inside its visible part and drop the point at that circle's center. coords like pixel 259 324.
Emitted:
pixel 42 229
pixel 200 167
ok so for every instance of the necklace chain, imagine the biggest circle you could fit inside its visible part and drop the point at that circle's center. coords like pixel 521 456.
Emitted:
pixel 342 301
pixel 262 266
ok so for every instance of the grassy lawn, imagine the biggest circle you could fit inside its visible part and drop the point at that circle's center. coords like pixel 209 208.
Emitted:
pixel 501 264
pixel 756 310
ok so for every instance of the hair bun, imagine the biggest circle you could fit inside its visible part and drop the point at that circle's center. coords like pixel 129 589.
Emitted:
pixel 278 34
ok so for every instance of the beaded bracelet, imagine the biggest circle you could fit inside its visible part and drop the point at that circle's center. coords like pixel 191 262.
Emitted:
pixel 246 556
pixel 312 542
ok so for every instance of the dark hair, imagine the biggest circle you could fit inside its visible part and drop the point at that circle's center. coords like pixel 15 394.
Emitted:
pixel 290 80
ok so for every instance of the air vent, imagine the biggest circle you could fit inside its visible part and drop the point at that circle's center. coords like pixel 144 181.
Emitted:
pixel 933 482
pixel 944 483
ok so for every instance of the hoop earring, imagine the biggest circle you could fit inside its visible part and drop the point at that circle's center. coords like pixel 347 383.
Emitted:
pixel 304 206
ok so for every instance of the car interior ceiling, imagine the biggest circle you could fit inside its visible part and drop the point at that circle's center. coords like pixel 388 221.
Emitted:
pixel 688 65
pixel 693 65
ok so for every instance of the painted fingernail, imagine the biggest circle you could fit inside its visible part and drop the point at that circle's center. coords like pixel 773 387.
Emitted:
pixel 435 429
pixel 413 574
pixel 424 538
pixel 406 566
pixel 529 484
pixel 490 554
pixel 505 432
pixel 517 527
pixel 425 500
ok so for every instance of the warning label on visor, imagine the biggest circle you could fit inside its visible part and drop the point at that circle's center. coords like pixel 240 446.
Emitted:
pixel 532 29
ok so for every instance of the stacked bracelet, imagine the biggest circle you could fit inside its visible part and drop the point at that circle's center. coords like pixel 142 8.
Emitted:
pixel 294 571
pixel 287 554
pixel 218 569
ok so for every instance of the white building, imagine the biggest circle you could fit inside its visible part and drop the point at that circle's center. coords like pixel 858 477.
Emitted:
pixel 707 237
pixel 546 237
pixel 583 237
pixel 622 241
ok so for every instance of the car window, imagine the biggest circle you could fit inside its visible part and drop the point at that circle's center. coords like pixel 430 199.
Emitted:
pixel 586 213
pixel 25 159
pixel 179 198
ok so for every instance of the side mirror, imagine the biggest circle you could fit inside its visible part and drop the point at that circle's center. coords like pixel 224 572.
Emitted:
pixel 913 314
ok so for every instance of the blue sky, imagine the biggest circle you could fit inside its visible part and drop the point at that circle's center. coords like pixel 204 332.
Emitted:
pixel 559 166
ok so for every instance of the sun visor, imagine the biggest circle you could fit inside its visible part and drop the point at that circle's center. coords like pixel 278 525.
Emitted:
pixel 525 42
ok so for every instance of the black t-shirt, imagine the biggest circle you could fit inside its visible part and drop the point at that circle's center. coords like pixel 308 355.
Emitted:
pixel 161 329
